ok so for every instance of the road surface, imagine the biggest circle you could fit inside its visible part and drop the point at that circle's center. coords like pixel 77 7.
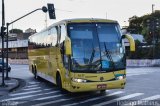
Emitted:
pixel 142 88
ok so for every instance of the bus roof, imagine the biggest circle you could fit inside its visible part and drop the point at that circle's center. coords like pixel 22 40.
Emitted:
pixel 79 20
pixel 83 20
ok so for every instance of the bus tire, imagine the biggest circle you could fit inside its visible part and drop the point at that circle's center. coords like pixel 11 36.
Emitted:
pixel 58 81
pixel 102 91
pixel 35 72
pixel 32 69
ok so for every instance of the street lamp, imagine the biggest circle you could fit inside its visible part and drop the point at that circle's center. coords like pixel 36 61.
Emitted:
pixel 44 9
pixel 153 8
pixel 51 11
pixel 2 36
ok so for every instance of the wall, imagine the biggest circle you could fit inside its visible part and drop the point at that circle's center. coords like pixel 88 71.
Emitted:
pixel 130 63
pixel 16 44
pixel 145 62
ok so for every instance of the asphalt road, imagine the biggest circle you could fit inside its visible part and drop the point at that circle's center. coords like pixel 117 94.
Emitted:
pixel 142 88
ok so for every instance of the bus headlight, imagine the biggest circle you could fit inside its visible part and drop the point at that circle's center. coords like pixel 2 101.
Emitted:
pixel 119 77
pixel 78 80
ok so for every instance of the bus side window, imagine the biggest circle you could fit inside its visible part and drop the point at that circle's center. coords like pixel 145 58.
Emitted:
pixel 63 33
pixel 58 35
pixel 53 36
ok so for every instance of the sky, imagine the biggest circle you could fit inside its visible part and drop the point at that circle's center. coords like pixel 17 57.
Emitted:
pixel 120 10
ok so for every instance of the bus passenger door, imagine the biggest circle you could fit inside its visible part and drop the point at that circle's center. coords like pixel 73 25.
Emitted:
pixel 63 58
pixel 64 66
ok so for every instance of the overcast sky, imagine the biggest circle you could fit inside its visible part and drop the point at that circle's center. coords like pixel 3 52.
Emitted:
pixel 119 10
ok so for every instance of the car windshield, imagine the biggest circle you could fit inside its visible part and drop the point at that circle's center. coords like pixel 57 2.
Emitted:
pixel 1 60
pixel 96 47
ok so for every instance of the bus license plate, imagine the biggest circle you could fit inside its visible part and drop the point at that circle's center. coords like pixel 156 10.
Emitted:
pixel 101 86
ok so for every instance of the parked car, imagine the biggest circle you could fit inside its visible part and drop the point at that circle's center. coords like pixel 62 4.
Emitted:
pixel 9 66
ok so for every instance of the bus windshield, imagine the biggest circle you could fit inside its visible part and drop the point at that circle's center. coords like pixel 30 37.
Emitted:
pixel 96 47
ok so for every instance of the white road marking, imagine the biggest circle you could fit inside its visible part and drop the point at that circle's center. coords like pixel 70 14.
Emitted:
pixel 9 83
pixel 28 96
pixel 145 100
pixel 50 89
pixel 136 74
pixel 152 97
pixel 43 103
pixel 33 82
pixel 118 99
pixel 92 99
pixel 15 68
pixel 31 86
pixel 132 73
pixel 29 92
pixel 48 97
pixel 47 103
pixel 60 100
pixel 26 89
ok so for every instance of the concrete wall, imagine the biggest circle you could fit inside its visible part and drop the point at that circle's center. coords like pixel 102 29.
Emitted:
pixel 131 63
pixel 16 44
pixel 143 63
pixel 18 61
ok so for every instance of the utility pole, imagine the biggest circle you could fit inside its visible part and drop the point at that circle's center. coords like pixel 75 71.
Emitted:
pixel 46 20
pixel 153 8
pixel 106 15
pixel 7 78
pixel 2 36
pixel 154 42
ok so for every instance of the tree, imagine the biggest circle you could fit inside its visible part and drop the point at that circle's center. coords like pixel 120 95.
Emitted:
pixel 149 26
pixel 135 24
pixel 146 25
pixel 17 31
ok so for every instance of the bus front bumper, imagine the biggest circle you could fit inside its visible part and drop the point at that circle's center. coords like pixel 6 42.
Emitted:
pixel 95 86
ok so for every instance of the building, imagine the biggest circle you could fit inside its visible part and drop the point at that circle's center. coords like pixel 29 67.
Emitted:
pixel 136 37
pixel 18 44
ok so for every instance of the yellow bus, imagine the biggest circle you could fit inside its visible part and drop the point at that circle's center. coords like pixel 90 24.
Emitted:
pixel 80 55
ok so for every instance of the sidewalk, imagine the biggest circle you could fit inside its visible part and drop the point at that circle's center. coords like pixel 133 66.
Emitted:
pixel 11 85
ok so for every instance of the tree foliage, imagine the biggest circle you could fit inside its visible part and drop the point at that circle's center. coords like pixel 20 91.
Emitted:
pixel 17 31
pixel 149 26
pixel 140 25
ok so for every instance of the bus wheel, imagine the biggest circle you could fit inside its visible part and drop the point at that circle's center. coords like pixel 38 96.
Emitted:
pixel 102 91
pixel 58 81
pixel 32 69
pixel 35 73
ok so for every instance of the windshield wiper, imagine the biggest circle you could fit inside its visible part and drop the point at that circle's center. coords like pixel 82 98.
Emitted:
pixel 109 55
pixel 92 56
pixel 91 64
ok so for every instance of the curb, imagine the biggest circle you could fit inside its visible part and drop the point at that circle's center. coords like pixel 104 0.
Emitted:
pixel 17 85
pixel 21 83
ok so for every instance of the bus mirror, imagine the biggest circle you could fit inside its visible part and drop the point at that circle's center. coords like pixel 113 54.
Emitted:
pixel 68 50
pixel 131 41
